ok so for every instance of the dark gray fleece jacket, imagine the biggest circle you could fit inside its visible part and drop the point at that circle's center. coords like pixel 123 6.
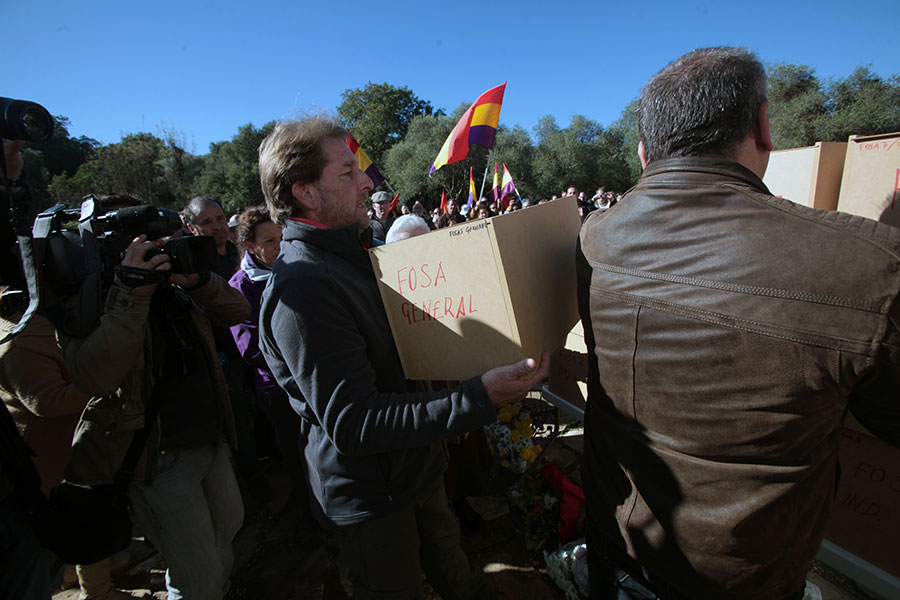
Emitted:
pixel 371 443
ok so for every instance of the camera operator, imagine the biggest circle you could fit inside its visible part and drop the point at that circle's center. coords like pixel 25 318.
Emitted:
pixel 185 497
pixel 24 563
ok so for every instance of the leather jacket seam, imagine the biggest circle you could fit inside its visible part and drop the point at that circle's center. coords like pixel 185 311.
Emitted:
pixel 732 322
pixel 744 289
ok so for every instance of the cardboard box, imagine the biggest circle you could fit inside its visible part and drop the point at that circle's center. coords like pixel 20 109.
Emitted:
pixel 865 516
pixel 465 299
pixel 871 179
pixel 810 176
pixel 569 367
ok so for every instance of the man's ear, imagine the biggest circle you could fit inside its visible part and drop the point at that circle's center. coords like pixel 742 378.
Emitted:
pixel 763 131
pixel 248 245
pixel 306 196
pixel 642 154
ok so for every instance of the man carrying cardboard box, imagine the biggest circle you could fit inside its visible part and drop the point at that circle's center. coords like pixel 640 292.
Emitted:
pixel 729 331
pixel 371 444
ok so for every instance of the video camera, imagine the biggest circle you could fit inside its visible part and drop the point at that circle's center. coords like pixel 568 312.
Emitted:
pixel 80 252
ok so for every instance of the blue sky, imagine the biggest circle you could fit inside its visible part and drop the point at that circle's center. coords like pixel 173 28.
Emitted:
pixel 205 68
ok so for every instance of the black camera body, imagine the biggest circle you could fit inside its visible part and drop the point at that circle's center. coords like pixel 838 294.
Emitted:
pixel 81 251
pixel 194 254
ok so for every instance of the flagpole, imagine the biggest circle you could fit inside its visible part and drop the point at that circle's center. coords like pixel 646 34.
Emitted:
pixel 484 179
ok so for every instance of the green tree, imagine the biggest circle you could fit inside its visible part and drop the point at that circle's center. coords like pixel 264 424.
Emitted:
pixel 132 166
pixel 230 172
pixel 407 163
pixel 796 104
pixel 626 129
pixel 861 104
pixel 379 116
pixel 803 110
pixel 61 154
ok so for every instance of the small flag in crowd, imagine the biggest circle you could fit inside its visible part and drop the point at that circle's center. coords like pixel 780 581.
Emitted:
pixel 506 189
pixel 471 201
pixel 394 203
pixel 496 189
pixel 478 125
pixel 443 201
pixel 365 163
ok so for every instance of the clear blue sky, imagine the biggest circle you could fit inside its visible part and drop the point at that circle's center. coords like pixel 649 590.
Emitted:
pixel 205 68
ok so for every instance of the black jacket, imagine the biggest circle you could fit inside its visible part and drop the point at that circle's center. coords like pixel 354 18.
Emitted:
pixel 371 444
pixel 731 329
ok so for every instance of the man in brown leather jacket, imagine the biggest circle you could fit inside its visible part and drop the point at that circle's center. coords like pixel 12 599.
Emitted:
pixel 732 330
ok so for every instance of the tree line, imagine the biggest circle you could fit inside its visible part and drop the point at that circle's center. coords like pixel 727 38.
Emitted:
pixel 403 133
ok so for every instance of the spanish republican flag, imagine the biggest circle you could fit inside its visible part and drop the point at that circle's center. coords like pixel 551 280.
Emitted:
pixel 443 201
pixel 478 125
pixel 507 189
pixel 495 191
pixel 471 201
pixel 365 163
pixel 394 203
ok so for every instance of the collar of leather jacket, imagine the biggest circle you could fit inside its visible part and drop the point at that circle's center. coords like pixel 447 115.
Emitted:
pixel 670 169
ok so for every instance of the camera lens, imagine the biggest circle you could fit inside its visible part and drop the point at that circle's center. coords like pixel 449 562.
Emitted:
pixel 23 120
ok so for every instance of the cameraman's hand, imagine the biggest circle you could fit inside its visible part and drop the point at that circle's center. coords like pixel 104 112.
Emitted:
pixel 12 149
pixel 134 258
pixel 185 280
pixel 512 382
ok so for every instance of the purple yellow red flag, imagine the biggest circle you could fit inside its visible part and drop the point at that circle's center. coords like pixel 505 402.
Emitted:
pixel 443 201
pixel 506 189
pixel 365 163
pixel 478 125
pixel 496 189
pixel 394 203
pixel 471 201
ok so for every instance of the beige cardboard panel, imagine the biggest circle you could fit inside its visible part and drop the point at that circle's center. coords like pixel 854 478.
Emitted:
pixel 569 367
pixel 865 516
pixel 536 250
pixel 810 176
pixel 790 173
pixel 828 174
pixel 869 187
pixel 438 290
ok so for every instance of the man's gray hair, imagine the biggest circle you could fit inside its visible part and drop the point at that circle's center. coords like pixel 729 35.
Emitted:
pixel 406 226
pixel 196 206
pixel 291 154
pixel 702 104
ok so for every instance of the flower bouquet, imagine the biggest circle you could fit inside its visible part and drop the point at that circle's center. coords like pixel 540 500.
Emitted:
pixel 517 435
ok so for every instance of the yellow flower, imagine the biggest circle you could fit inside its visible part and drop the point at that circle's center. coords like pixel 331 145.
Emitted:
pixel 508 412
pixel 514 435
pixel 530 453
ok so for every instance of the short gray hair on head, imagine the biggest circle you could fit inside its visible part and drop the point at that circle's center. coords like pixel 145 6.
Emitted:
pixel 196 206
pixel 702 104
pixel 291 154
pixel 406 226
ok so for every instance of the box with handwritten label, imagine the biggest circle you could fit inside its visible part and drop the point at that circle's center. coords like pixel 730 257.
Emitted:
pixel 865 516
pixel 464 299
pixel 871 181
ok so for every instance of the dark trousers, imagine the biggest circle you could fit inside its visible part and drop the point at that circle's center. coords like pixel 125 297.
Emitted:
pixel 387 554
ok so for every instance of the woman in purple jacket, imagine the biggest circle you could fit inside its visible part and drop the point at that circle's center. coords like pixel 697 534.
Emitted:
pixel 260 239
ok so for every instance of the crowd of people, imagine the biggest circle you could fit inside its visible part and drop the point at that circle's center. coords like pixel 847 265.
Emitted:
pixel 453 214
pixel 719 373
